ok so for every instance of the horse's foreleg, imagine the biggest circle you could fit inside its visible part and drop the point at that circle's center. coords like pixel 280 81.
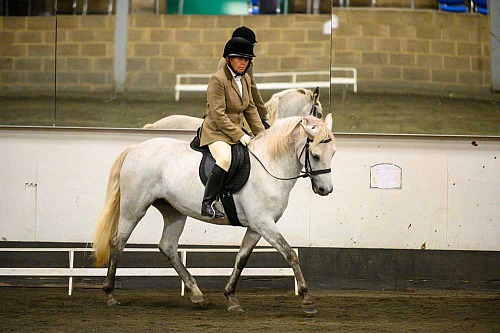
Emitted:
pixel 173 226
pixel 274 237
pixel 247 245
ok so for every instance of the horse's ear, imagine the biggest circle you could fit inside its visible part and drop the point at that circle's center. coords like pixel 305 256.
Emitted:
pixel 329 121
pixel 311 132
pixel 316 93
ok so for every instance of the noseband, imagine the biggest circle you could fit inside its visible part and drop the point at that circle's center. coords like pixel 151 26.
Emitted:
pixel 303 174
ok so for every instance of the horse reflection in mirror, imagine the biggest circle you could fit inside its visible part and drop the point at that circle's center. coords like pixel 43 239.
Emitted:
pixel 291 102
pixel 163 173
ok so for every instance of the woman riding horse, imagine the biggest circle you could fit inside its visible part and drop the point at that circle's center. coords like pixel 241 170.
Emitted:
pixel 249 35
pixel 229 100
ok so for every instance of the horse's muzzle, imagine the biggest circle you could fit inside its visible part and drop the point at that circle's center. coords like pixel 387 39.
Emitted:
pixel 320 190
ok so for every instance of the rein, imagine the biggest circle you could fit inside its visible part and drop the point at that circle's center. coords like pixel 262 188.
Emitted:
pixel 314 110
pixel 303 174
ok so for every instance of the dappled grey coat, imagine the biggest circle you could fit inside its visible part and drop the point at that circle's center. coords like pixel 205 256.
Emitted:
pixel 226 109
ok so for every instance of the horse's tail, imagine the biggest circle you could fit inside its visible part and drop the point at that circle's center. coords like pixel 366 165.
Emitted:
pixel 108 220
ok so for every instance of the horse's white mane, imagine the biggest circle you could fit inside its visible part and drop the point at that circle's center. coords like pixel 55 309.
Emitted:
pixel 286 131
pixel 273 103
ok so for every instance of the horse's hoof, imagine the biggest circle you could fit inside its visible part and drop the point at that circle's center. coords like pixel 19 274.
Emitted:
pixel 235 308
pixel 113 301
pixel 309 309
pixel 196 299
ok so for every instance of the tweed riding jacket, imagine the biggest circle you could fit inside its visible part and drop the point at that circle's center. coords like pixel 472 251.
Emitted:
pixel 226 108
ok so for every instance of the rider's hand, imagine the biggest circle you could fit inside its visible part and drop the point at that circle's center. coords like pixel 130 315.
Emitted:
pixel 245 139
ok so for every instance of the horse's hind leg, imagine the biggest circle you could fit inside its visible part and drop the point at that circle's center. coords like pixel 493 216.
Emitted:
pixel 247 245
pixel 109 281
pixel 126 225
pixel 174 223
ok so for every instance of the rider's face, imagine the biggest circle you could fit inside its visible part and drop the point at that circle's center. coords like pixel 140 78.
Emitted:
pixel 239 64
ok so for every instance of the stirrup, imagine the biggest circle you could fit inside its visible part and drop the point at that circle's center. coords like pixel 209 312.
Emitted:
pixel 215 210
pixel 212 214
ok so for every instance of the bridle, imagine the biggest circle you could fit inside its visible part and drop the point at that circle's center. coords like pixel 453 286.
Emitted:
pixel 314 110
pixel 309 172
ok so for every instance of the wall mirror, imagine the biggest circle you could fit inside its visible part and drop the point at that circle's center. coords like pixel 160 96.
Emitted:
pixel 382 68
pixel 411 68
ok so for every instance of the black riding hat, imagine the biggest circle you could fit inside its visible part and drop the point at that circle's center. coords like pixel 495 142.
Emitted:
pixel 238 47
pixel 246 33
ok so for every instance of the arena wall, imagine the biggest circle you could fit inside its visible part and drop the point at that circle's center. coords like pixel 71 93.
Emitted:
pixel 54 184
pixel 393 50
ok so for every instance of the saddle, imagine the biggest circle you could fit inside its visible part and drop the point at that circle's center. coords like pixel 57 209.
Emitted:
pixel 236 178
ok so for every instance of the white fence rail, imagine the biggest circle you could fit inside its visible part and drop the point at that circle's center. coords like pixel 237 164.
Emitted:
pixel 284 80
pixel 72 271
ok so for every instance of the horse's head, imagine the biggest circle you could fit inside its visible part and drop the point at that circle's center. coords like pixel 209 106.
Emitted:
pixel 294 102
pixel 311 104
pixel 313 148
pixel 312 107
pixel 316 108
pixel 315 153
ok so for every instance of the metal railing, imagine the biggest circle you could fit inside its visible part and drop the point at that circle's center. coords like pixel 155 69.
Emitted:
pixel 295 80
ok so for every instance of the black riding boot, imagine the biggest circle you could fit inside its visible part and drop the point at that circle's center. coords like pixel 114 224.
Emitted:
pixel 214 185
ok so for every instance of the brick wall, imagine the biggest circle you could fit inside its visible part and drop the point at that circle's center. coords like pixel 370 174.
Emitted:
pixel 415 50
pixel 27 53
pixel 392 49
pixel 85 53
pixel 300 6
pixel 161 46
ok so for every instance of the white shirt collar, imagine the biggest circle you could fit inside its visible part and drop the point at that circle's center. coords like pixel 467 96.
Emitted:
pixel 236 77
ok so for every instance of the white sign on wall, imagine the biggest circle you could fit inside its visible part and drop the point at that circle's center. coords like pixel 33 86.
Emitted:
pixel 386 176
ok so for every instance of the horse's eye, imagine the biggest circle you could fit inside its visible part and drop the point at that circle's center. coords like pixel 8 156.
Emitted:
pixel 316 157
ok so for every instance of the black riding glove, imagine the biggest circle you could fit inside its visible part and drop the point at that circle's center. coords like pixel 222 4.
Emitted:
pixel 265 123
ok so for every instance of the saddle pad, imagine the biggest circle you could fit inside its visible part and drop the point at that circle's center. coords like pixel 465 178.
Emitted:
pixel 238 171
